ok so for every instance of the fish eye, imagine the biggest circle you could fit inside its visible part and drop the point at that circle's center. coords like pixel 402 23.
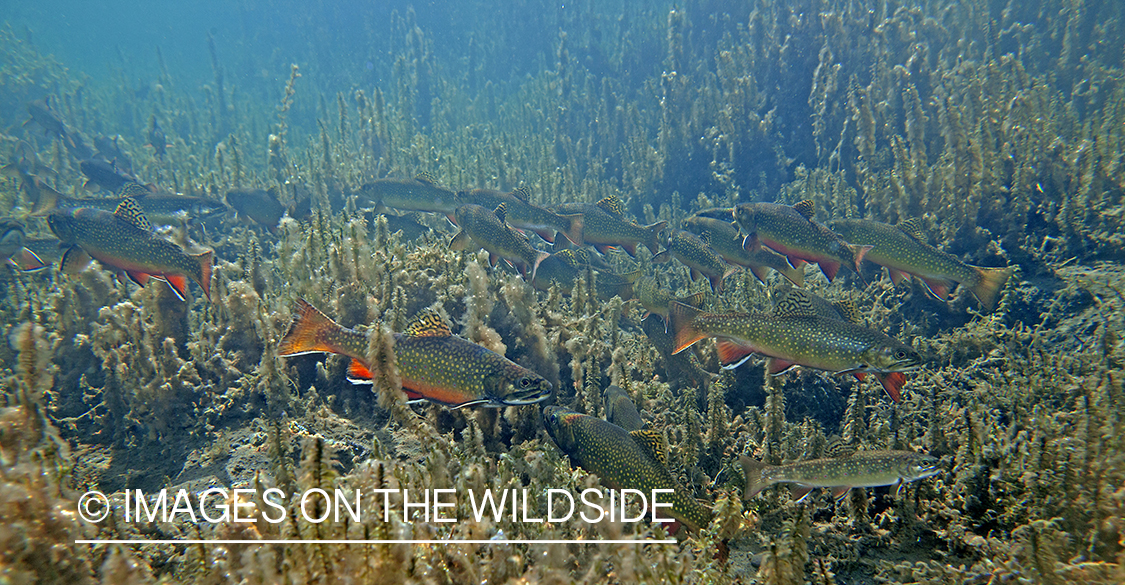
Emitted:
pixel 525 382
pixel 901 355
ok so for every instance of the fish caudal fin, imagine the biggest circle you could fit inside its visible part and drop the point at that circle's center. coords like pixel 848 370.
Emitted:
pixel 652 234
pixel 795 275
pixel 206 263
pixel 576 228
pixel 989 283
pixel 46 201
pixel 539 258
pixel 752 471
pixel 306 333
pixel 859 252
pixel 681 319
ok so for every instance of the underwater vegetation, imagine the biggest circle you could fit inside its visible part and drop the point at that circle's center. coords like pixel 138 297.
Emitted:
pixel 977 146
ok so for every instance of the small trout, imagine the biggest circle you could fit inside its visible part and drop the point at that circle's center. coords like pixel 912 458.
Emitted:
pixel 861 469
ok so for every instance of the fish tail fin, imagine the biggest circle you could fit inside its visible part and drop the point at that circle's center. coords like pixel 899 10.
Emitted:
pixel 539 258
pixel 652 235
pixel 307 332
pixel 859 252
pixel 795 275
pixel 989 283
pixel 752 471
pixel 576 228
pixel 47 199
pixel 681 319
pixel 206 264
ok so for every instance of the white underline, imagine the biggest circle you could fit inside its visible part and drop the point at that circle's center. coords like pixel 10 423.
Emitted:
pixel 347 541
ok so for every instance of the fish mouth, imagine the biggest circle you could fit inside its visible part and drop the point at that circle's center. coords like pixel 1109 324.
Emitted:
pixel 533 394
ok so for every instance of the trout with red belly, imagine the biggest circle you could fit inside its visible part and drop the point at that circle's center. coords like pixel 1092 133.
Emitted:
pixel 434 364
pixel 791 231
pixel 124 240
pixel 795 335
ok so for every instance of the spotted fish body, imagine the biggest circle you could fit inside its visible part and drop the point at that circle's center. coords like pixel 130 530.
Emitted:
pixel 434 364
pixel 725 239
pixel 791 230
pixel 522 214
pixel 904 253
pixel 698 256
pixel 622 460
pixel 861 469
pixel 489 231
pixel 798 338
pixel 159 207
pixel 620 410
pixel 564 266
pixel 605 226
pixel 124 240
pixel 422 193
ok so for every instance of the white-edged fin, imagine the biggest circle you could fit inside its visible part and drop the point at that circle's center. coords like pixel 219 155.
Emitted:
pixel 799 492
pixel 838 492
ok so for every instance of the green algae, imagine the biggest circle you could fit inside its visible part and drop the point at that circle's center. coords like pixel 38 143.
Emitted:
pixel 1006 145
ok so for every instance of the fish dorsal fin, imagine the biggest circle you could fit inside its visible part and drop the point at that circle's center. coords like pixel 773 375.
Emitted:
pixel 612 205
pixel 133 189
pixel 428 324
pixel 581 256
pixel 501 212
pixel 840 449
pixel 130 211
pixel 796 302
pixel 523 194
pixel 653 442
pixel 849 311
pixel 426 177
pixel 806 208
pixel 705 237
pixel 913 228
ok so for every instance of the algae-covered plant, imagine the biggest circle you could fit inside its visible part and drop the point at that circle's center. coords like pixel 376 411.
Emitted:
pixel 315 157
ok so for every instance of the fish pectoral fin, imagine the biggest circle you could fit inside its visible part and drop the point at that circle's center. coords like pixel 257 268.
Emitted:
pixel 74 261
pixel 460 241
pixel 27 261
pixel 838 492
pixel 892 382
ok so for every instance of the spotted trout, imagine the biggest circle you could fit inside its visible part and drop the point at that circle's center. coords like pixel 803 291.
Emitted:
pixel 489 230
pixel 697 255
pixel 791 230
pixel 605 226
pixel 623 460
pixel 725 239
pixel 903 251
pixel 124 240
pixel 160 207
pixel 422 193
pixel 434 364
pixel 562 268
pixel 861 469
pixel 796 336
pixel 522 214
